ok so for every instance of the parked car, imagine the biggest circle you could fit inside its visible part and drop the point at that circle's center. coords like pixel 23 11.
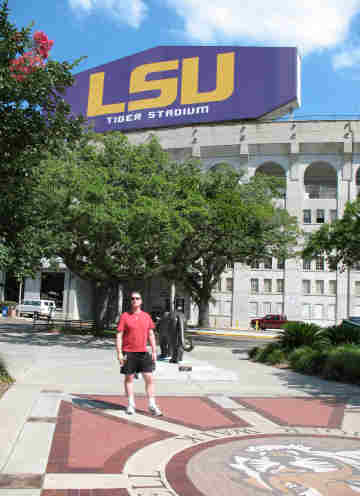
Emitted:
pixel 270 321
pixel 42 307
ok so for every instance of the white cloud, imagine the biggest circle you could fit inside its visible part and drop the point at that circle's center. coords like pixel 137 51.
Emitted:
pixel 309 24
pixel 131 12
pixel 346 59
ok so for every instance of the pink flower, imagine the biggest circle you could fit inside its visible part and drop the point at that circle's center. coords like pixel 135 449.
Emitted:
pixel 42 44
pixel 30 61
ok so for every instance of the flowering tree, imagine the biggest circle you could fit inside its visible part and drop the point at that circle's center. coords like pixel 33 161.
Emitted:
pixel 34 121
pixel 25 64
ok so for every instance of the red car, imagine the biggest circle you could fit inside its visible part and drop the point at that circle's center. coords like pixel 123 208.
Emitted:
pixel 270 321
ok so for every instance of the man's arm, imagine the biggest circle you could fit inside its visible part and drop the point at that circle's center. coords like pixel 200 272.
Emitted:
pixel 119 348
pixel 152 342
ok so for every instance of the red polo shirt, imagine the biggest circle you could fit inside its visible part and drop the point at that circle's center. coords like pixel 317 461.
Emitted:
pixel 135 328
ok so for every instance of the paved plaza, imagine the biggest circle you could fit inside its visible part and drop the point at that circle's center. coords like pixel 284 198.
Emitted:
pixel 230 426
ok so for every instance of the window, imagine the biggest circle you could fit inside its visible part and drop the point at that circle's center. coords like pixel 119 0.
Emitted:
pixel 306 286
pixel 356 266
pixel 319 287
pixel 254 285
pixel 214 306
pixel 306 264
pixel 267 285
pixel 267 307
pixel 320 216
pixel 333 215
pixel 268 263
pixel 229 266
pixel 332 287
pixel 255 264
pixel 306 311
pixel 320 263
pixel 280 285
pixel 280 308
pixel 229 284
pixel 331 312
pixel 318 311
pixel 253 308
pixel 227 307
pixel 357 288
pixel 218 285
pixel 281 263
pixel 307 216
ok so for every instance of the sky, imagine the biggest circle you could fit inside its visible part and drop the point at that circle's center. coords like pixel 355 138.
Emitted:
pixel 326 32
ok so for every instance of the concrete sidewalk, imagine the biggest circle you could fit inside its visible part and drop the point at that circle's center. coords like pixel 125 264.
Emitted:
pixel 64 430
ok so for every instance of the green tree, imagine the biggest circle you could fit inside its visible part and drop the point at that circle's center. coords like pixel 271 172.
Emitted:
pixel 111 211
pixel 123 211
pixel 34 120
pixel 338 241
pixel 230 222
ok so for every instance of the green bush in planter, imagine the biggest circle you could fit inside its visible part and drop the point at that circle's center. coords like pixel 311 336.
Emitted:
pixel 253 352
pixel 271 353
pixel 4 375
pixel 342 334
pixel 308 360
pixel 297 334
pixel 343 364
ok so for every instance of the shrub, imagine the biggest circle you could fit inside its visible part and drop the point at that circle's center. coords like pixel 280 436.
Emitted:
pixel 276 356
pixel 4 375
pixel 297 334
pixel 343 363
pixel 253 351
pixel 271 353
pixel 308 360
pixel 342 334
pixel 9 304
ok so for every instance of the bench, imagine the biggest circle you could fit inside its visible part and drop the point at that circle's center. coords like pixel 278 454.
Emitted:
pixel 74 324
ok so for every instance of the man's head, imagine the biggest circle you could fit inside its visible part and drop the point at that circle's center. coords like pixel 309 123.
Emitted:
pixel 136 300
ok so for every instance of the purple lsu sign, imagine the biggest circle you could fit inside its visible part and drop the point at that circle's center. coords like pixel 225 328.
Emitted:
pixel 182 85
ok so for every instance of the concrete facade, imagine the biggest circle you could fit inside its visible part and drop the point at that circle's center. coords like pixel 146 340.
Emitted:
pixel 320 161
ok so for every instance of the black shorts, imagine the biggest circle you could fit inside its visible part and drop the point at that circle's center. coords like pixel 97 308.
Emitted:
pixel 137 361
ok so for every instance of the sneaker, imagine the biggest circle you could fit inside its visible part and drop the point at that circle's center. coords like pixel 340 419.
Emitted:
pixel 130 410
pixel 155 410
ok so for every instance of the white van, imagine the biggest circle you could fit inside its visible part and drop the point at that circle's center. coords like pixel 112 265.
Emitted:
pixel 42 307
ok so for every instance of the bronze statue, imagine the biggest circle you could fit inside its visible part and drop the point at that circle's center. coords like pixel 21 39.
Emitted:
pixel 171 327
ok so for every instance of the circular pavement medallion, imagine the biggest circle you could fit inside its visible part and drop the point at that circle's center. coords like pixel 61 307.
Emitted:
pixel 268 465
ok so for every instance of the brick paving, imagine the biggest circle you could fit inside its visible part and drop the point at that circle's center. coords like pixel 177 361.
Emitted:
pixel 230 428
pixel 201 447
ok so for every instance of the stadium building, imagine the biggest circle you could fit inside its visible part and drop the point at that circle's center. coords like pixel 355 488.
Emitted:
pixel 232 105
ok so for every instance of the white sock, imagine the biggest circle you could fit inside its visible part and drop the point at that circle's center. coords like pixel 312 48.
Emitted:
pixel 152 401
pixel 131 401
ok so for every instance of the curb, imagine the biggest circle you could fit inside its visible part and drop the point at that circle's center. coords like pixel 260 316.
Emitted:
pixel 232 334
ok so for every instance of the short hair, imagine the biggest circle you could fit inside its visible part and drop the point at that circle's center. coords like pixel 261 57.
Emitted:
pixel 137 293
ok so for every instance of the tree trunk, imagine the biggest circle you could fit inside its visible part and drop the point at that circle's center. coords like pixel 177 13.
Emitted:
pixel 106 304
pixel 204 320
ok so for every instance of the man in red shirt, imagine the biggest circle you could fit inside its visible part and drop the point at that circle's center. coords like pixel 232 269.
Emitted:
pixel 135 329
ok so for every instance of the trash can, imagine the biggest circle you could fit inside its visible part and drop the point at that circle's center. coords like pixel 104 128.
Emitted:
pixel 12 312
pixel 4 311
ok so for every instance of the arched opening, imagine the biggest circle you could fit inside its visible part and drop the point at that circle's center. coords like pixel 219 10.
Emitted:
pixel 320 181
pixel 271 169
pixel 222 167
pixel 357 179
pixel 274 170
